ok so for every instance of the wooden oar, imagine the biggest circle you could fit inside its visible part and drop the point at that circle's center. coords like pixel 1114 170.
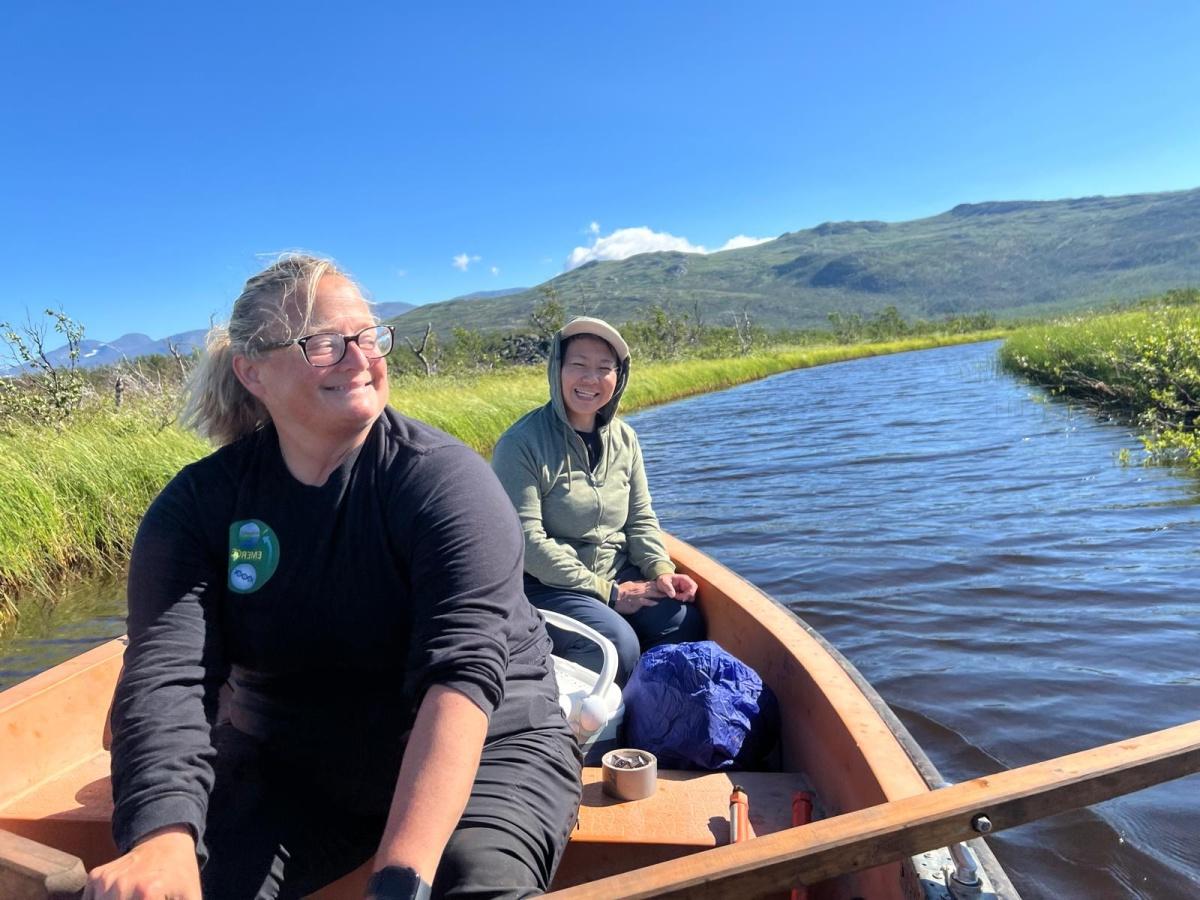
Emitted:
pixel 808 853
pixel 33 871
pixel 904 828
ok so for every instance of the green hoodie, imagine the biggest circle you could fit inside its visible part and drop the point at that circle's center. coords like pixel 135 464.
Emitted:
pixel 581 527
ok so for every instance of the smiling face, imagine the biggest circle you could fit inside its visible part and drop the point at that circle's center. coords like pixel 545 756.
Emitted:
pixel 589 379
pixel 328 406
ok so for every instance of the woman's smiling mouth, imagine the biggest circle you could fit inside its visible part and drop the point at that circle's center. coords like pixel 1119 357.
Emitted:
pixel 346 388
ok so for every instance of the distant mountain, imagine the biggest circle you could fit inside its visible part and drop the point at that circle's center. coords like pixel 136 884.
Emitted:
pixel 415 309
pixel 128 346
pixel 1013 259
pixel 390 310
pixel 489 295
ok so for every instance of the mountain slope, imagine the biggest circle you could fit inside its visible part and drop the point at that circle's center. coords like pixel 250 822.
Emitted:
pixel 1010 258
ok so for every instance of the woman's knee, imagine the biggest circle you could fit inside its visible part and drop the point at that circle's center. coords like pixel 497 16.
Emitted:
pixel 603 619
pixel 483 862
pixel 691 625
pixel 590 655
pixel 669 622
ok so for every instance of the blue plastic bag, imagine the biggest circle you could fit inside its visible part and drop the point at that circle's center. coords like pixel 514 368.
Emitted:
pixel 696 706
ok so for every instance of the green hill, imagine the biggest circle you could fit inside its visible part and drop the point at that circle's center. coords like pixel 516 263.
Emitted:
pixel 1013 259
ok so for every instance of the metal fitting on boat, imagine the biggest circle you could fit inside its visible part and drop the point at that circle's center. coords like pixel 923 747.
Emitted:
pixel 981 824
pixel 962 878
pixel 966 866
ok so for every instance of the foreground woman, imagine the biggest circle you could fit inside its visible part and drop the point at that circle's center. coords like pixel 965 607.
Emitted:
pixel 593 548
pixel 355 577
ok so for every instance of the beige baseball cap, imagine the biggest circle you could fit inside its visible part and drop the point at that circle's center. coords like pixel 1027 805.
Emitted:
pixel 599 328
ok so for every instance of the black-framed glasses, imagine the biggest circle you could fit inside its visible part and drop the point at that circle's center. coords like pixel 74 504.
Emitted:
pixel 329 348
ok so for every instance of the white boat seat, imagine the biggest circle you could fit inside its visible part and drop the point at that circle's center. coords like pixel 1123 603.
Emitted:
pixel 590 701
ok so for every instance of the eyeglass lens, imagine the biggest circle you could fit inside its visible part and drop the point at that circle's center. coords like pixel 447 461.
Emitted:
pixel 328 349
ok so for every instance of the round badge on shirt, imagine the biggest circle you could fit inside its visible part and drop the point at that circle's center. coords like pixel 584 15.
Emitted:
pixel 253 555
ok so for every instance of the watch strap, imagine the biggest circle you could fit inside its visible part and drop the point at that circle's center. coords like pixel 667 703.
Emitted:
pixel 398 883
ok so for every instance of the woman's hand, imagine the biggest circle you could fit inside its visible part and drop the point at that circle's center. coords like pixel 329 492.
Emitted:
pixel 681 587
pixel 162 865
pixel 633 595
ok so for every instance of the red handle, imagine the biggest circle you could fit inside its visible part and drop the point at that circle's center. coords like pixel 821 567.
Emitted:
pixel 739 816
pixel 801 815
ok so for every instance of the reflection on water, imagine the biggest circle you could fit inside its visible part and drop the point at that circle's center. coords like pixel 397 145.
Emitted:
pixel 82 616
pixel 978 553
pixel 1009 588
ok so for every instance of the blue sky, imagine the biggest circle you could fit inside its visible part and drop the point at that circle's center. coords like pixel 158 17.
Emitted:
pixel 154 155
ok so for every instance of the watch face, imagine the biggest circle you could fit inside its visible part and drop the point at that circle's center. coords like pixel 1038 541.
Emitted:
pixel 397 883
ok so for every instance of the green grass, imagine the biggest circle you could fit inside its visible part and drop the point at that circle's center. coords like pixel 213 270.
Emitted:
pixel 477 409
pixel 1142 365
pixel 74 496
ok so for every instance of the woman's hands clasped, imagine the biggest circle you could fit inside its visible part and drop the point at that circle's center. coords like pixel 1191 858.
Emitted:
pixel 633 595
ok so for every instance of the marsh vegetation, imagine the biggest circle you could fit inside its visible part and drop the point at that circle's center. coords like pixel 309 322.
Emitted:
pixel 1140 365
pixel 79 474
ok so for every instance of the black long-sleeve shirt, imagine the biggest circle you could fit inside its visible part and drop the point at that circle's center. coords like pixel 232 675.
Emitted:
pixel 330 610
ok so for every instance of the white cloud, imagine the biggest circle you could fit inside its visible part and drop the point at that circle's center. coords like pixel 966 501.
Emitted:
pixel 463 260
pixel 740 241
pixel 626 242
pixel 495 270
pixel 402 273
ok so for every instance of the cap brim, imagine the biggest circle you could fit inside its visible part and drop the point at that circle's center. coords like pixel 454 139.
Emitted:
pixel 599 328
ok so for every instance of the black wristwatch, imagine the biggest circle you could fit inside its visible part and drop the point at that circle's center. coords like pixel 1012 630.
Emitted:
pixel 398 883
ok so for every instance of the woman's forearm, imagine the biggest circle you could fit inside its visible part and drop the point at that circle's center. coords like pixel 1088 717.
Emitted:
pixel 435 781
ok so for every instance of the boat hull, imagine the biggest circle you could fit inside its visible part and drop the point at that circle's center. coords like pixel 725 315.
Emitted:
pixel 837 736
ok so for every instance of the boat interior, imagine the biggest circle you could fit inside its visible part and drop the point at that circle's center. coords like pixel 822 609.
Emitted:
pixel 835 749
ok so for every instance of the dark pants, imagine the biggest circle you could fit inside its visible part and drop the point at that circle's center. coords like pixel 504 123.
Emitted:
pixel 272 834
pixel 667 622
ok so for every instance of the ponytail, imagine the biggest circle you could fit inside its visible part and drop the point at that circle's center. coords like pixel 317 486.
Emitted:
pixel 275 305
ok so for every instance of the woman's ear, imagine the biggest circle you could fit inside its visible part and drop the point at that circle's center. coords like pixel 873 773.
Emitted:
pixel 247 371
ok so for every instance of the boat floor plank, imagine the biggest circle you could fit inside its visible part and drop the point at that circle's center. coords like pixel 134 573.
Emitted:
pixel 83 792
pixel 688 808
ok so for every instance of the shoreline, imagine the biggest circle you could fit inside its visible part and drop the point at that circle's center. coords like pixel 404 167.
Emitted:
pixel 1140 366
pixel 78 493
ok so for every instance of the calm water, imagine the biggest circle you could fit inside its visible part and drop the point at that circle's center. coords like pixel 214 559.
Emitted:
pixel 1010 589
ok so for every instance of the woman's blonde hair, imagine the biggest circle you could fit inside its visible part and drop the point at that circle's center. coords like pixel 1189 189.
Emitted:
pixel 275 305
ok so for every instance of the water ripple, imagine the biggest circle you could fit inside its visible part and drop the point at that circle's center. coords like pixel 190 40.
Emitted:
pixel 1009 587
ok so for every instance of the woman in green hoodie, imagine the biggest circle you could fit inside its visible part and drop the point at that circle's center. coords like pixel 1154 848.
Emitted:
pixel 593 547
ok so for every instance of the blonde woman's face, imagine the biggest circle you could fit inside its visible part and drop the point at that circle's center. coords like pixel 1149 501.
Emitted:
pixel 323 403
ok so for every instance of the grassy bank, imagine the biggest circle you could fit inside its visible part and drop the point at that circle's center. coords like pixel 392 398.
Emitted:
pixel 478 409
pixel 1141 365
pixel 73 497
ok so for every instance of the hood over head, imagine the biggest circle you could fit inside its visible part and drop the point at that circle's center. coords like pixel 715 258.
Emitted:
pixel 597 328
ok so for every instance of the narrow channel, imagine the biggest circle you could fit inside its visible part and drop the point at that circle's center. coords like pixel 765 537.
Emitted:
pixel 980 553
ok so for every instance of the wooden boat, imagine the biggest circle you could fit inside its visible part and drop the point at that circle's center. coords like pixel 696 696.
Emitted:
pixel 839 741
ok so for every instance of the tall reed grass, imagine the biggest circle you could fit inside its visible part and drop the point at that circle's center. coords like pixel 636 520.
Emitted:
pixel 1141 365
pixel 72 497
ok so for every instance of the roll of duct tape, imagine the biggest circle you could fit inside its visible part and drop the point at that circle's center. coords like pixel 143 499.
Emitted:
pixel 630 774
